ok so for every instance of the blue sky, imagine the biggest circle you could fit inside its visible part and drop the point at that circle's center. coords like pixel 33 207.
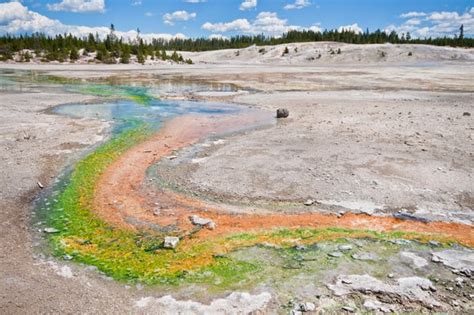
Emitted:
pixel 168 18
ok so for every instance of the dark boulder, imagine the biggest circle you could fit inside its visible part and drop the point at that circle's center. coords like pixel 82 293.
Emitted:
pixel 282 113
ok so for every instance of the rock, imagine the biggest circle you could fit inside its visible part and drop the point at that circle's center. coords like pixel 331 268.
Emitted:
pixel 391 275
pixel 171 242
pixel 172 157
pixel 307 307
pixel 461 260
pixel 466 272
pixel 406 288
pixel 466 114
pixel 282 113
pixel 434 243
pixel 235 303
pixel 418 262
pixel 374 305
pixel 345 247
pixel 40 185
pixel 203 222
pixel 401 242
pixel 157 211
pixel 301 248
pixel 366 257
pixel 50 230
pixel 348 309
pixel 309 202
pixel 459 281
pixel 335 254
pixel 435 259
pixel 67 257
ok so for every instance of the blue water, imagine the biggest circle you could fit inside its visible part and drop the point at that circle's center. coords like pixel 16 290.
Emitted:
pixel 126 113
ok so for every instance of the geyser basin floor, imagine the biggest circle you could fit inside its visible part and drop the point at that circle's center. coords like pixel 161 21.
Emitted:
pixel 289 285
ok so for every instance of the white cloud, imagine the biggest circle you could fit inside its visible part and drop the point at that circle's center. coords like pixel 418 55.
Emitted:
pixel 435 24
pixel 412 14
pixel 218 36
pixel 267 23
pixel 195 1
pixel 351 28
pixel 315 28
pixel 248 4
pixel 413 22
pixel 149 14
pixel 78 6
pixel 15 18
pixel 298 4
pixel 242 25
pixel 136 2
pixel 171 18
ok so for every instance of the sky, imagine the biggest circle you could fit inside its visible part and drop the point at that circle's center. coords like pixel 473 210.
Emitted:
pixel 225 18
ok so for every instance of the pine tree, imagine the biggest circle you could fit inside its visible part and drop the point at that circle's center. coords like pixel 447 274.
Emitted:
pixel 140 58
pixel 74 54
pixel 125 58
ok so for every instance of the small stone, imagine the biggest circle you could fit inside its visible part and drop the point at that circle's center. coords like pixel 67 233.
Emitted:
pixel 300 247
pixel 455 303
pixel 450 288
pixel 197 220
pixel 282 113
pixel 307 307
pixel 366 257
pixel 172 157
pixel 391 275
pixel 345 247
pixel 171 242
pixel 372 305
pixel 67 257
pixel 309 202
pixel 348 309
pixel 466 114
pixel 401 242
pixel 296 312
pixel 467 272
pixel 434 243
pixel 346 281
pixel 435 259
pixel 157 212
pixel 50 230
pixel 335 254
pixel 40 185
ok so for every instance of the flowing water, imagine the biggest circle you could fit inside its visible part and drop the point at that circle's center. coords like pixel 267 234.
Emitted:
pixel 292 273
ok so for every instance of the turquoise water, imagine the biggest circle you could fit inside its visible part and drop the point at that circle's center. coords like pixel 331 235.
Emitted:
pixel 126 113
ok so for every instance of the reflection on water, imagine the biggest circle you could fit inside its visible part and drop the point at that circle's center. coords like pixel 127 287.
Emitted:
pixel 125 86
pixel 136 98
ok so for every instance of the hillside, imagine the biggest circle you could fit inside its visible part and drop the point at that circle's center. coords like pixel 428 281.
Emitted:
pixel 333 53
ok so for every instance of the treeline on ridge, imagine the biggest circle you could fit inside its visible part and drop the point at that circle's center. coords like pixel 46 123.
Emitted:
pixel 112 49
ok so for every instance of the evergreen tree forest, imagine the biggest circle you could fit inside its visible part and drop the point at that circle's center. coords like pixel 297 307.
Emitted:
pixel 111 49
